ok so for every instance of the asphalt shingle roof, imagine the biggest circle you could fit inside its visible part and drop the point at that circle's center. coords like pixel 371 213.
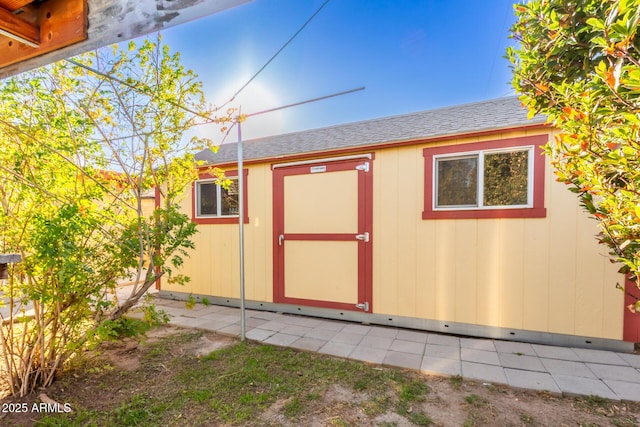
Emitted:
pixel 489 115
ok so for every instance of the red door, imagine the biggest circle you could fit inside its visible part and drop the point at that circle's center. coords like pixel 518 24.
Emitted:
pixel 322 234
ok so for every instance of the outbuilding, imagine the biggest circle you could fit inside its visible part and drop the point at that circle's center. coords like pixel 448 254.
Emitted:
pixel 447 220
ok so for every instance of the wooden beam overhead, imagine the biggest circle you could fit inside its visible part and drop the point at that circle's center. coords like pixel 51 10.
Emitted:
pixel 12 5
pixel 58 23
pixel 14 27
pixel 67 28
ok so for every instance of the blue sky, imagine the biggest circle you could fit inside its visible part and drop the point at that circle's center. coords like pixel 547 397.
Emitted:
pixel 411 55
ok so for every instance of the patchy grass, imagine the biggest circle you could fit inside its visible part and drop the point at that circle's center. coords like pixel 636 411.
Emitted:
pixel 254 384
pixel 527 419
pixel 606 408
pixel 456 381
pixel 411 392
pixel 479 409
pixel 237 384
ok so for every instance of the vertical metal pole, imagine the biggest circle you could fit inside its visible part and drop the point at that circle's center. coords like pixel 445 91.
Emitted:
pixel 241 228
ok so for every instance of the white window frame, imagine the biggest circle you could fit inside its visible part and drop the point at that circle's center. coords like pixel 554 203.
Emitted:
pixel 480 179
pixel 198 183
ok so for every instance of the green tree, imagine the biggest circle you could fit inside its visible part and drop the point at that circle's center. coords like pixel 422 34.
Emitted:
pixel 579 63
pixel 79 150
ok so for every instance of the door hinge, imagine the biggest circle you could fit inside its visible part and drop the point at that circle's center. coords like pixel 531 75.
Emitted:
pixel 364 306
pixel 364 236
pixel 363 167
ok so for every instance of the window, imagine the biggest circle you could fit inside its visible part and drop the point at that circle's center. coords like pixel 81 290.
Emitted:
pixel 457 181
pixel 217 203
pixel 483 180
pixel 214 200
pixel 493 179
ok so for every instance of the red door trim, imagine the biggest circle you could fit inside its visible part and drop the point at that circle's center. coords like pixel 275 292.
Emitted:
pixel 365 224
pixel 347 237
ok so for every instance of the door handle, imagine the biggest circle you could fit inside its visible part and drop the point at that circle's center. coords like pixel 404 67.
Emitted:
pixel 364 236
pixel 280 239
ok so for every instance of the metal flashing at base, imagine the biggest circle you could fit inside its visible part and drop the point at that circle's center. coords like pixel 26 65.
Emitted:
pixel 454 328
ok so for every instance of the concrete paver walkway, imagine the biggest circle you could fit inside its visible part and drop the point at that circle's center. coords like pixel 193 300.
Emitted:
pixel 560 370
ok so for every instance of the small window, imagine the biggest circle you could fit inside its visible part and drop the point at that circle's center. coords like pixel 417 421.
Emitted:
pixel 492 179
pixel 484 180
pixel 216 202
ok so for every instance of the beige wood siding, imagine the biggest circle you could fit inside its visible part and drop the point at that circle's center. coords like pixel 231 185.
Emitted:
pixel 547 274
pixel 214 267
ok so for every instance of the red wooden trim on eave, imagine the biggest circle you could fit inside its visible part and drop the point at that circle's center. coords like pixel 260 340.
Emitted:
pixel 221 220
pixel 537 211
pixel 366 149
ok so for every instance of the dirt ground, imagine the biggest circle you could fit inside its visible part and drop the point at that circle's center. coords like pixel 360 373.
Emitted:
pixel 124 369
